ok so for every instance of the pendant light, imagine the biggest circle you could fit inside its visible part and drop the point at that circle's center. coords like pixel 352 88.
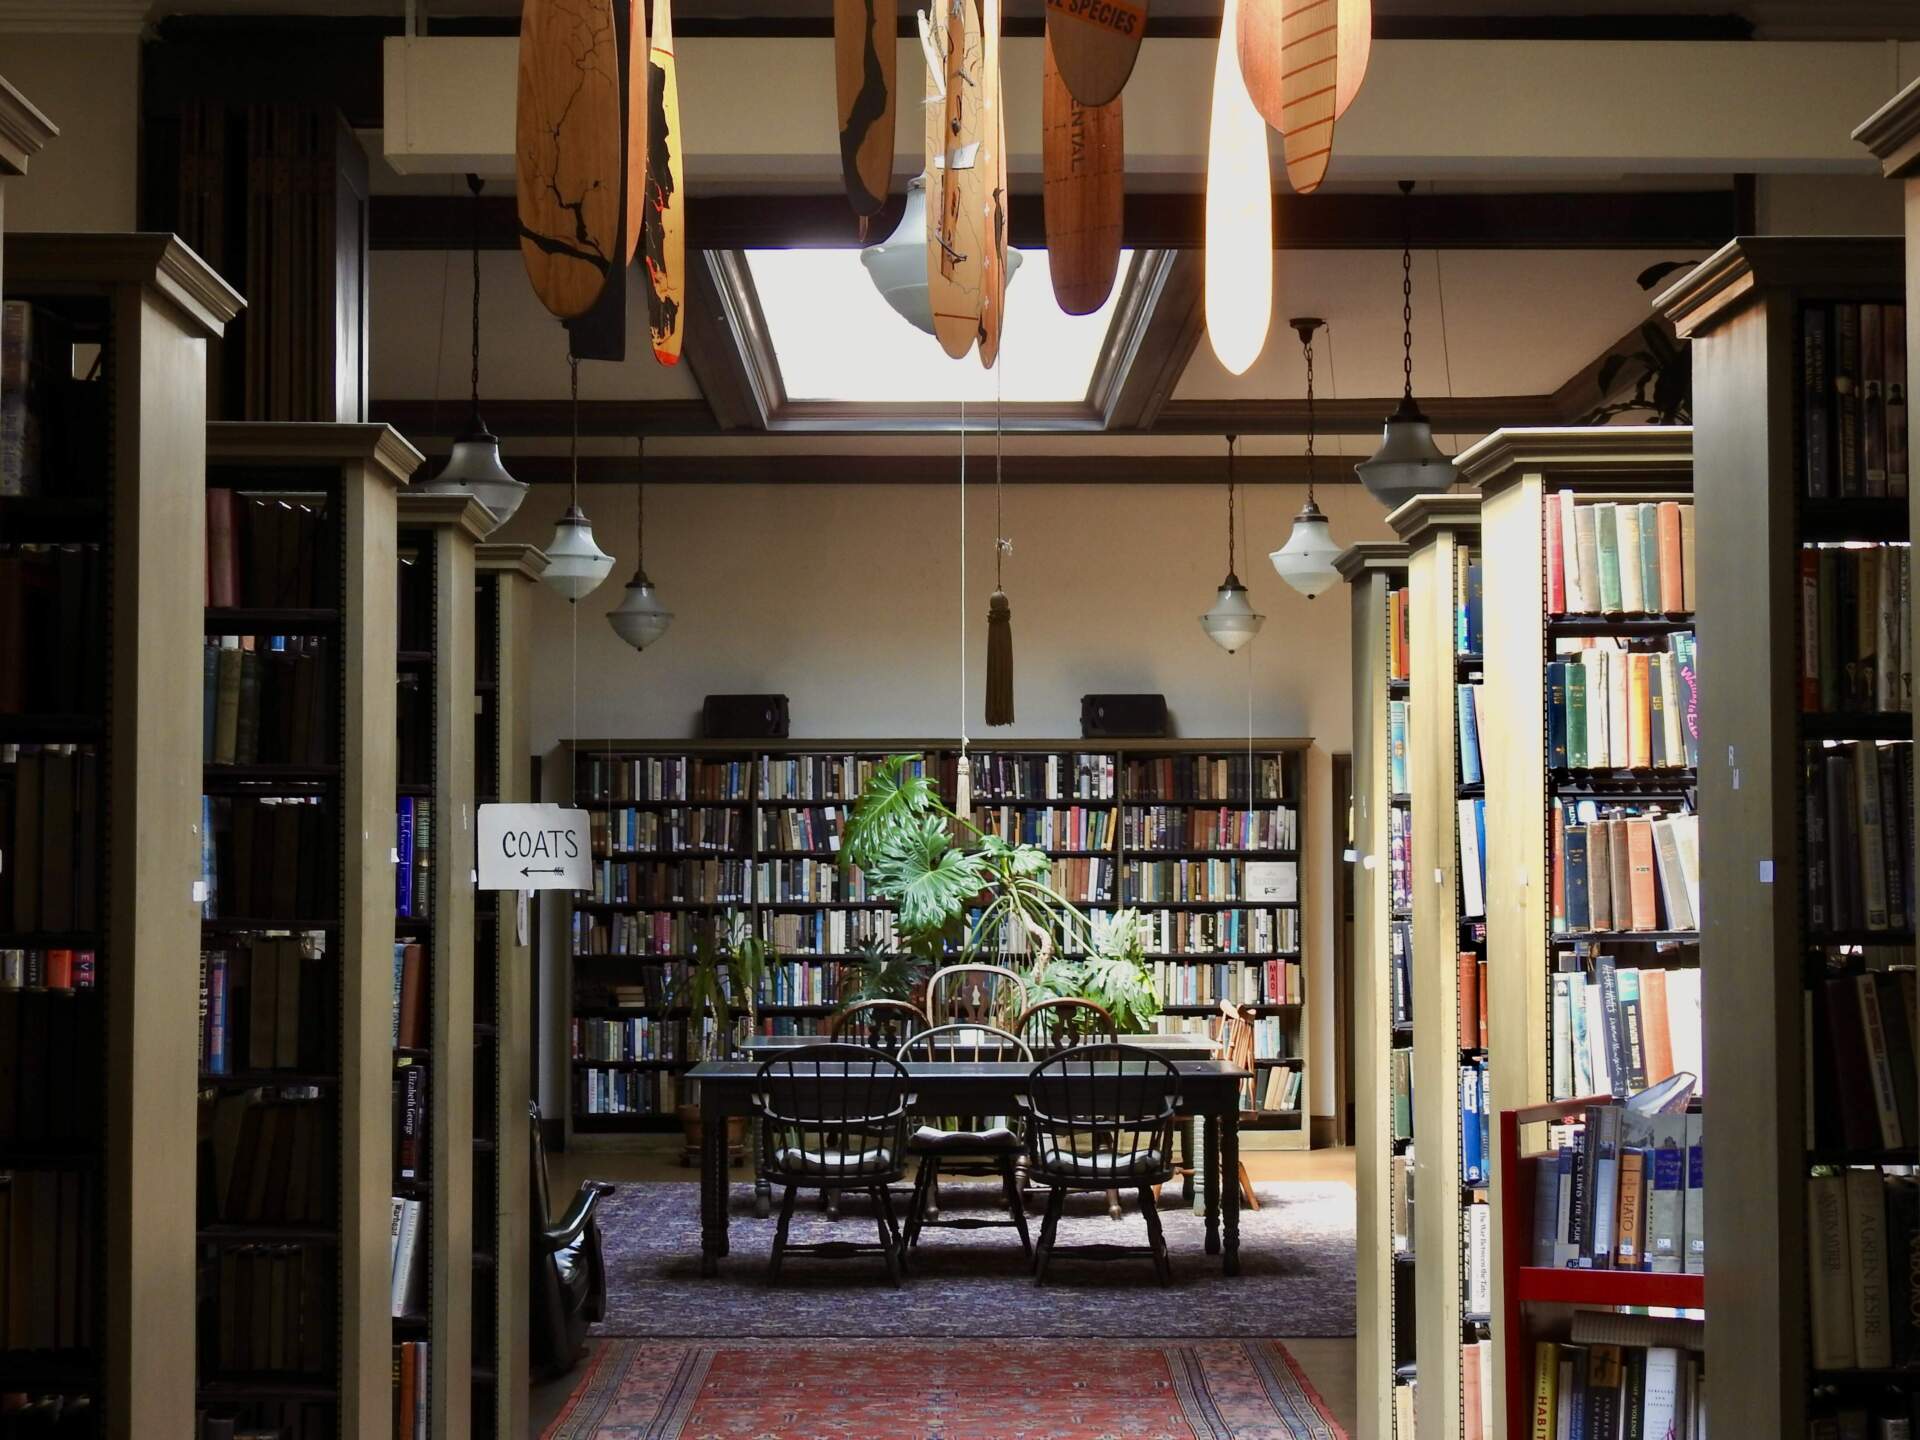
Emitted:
pixel 1238 261
pixel 473 465
pixel 1407 463
pixel 639 618
pixel 575 564
pixel 1231 622
pixel 897 265
pixel 1306 561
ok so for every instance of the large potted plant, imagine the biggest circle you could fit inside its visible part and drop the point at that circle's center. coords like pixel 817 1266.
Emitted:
pixel 723 978
pixel 962 892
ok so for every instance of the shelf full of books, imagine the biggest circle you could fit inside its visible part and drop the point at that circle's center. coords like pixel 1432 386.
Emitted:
pixel 1386 1374
pixel 1800 356
pixel 1203 840
pixel 297 683
pixel 101 451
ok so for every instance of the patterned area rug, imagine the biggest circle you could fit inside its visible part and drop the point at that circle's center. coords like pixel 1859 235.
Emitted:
pixel 944 1390
pixel 1296 1273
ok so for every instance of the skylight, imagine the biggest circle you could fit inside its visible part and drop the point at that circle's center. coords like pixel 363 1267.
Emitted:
pixel 835 339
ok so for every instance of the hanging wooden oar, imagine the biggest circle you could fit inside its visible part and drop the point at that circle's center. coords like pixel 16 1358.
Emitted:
pixel 1096 43
pixel 1302 62
pixel 957 248
pixel 637 105
pixel 664 231
pixel 567 151
pixel 993 300
pixel 1083 153
pixel 865 58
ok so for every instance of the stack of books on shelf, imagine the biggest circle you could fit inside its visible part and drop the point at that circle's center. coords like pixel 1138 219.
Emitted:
pixel 673 882
pixel 791 829
pixel 789 882
pixel 268 550
pixel 625 1092
pixel 828 932
pixel 49 821
pixel 1622 1190
pixel 1853 384
pixel 679 829
pixel 52 598
pixel 1186 827
pixel 270 1003
pixel 1051 827
pixel 824 777
pixel 267 855
pixel 1856 628
pixel 1623 703
pixel 1620 1028
pixel 1859 819
pixel 267 701
pixel 1620 1374
pixel 1624 866
pixel 48 1225
pixel 666 777
pixel 1189 983
pixel 53 404
pixel 411 1408
pixel 1861 1029
pixel 1863 1264
pixel 268 1158
pixel 1619 558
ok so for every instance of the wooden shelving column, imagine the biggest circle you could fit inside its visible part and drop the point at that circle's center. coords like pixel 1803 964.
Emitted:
pixel 1373 570
pixel 1518 473
pixel 1741 308
pixel 506 578
pixel 24 132
pixel 1436 529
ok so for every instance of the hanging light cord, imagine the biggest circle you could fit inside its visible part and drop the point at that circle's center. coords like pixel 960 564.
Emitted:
pixel 1230 443
pixel 1000 542
pixel 573 606
pixel 1306 348
pixel 573 448
pixel 963 580
pixel 1406 286
pixel 474 183
pixel 640 505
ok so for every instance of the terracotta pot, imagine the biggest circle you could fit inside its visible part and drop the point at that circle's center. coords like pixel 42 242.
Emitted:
pixel 695 1131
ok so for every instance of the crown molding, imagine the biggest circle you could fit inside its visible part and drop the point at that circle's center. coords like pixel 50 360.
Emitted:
pixel 1367 557
pixel 1840 267
pixel 1425 516
pixel 456 512
pixel 500 557
pixel 73 17
pixel 1892 133
pixel 381 446
pixel 24 131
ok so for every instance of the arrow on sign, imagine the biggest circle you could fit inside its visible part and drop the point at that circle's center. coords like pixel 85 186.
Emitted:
pixel 556 870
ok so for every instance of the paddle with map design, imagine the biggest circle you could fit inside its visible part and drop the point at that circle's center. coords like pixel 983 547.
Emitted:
pixel 957 210
pixel 1083 158
pixel 865 59
pixel 567 142
pixel 1095 44
pixel 1302 62
pixel 663 229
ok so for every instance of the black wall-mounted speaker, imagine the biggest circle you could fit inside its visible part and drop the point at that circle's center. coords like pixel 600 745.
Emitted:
pixel 1123 717
pixel 744 717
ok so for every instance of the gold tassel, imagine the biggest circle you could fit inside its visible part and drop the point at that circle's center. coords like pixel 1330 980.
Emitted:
pixel 999 660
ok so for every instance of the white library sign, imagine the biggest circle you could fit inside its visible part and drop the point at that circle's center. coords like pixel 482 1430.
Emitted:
pixel 533 847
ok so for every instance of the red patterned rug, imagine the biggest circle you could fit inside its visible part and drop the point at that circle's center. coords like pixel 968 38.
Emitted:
pixel 944 1390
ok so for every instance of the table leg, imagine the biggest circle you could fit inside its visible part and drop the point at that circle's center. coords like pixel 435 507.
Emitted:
pixel 713 1184
pixel 1186 1158
pixel 1230 1192
pixel 762 1191
pixel 1210 1180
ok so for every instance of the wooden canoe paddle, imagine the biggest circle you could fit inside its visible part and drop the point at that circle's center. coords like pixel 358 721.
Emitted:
pixel 664 229
pixel 957 250
pixel 1083 191
pixel 567 151
pixel 1095 44
pixel 993 299
pixel 1309 85
pixel 1282 49
pixel 865 59
pixel 636 124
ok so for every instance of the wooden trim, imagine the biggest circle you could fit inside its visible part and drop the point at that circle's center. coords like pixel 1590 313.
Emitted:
pixel 385 449
pixel 458 512
pixel 1624 456
pixel 1892 133
pixel 1161 319
pixel 1425 516
pixel 1840 266
pixel 500 557
pixel 163 262
pixel 1365 556
pixel 727 345
pixel 24 131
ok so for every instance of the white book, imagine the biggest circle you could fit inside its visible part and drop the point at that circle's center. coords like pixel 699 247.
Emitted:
pixel 1666 868
pixel 1562 1036
pixel 1686 839
pixel 1576 582
pixel 1830 1298
pixel 1673 718
pixel 1867 1269
pixel 1582 1045
pixel 1619 728
pixel 1600 1064
pixel 1626 526
pixel 1879 1064
pixel 1683 1025
pixel 1472 892
pixel 1563 1397
pixel 1660 1394
pixel 1483 1354
pixel 1479 1295
pixel 406 1260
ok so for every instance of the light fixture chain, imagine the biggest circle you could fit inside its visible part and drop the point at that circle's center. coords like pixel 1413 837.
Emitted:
pixel 1306 347
pixel 474 183
pixel 1230 521
pixel 640 505
pixel 1406 288
pixel 573 448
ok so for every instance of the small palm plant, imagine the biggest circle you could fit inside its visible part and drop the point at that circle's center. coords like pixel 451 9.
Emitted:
pixel 729 965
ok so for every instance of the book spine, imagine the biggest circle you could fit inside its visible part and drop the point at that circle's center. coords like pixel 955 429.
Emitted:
pixel 1816 398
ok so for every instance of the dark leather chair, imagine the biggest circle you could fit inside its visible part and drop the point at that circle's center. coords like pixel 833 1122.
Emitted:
pixel 569 1275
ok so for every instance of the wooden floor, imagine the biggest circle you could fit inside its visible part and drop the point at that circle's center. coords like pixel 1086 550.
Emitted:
pixel 1328 1363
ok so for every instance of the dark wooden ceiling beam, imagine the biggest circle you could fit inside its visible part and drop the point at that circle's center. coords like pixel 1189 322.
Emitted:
pixel 920 468
pixel 1676 220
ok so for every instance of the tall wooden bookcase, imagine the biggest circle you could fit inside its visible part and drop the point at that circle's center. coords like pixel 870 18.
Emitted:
pixel 123 448
pixel 1745 309
pixel 1376 571
pixel 24 132
pixel 348 476
pixel 505 580
pixel 1518 474
pixel 1441 533
pixel 436 537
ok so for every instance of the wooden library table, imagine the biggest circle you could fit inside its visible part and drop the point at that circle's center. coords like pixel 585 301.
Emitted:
pixel 1209 1089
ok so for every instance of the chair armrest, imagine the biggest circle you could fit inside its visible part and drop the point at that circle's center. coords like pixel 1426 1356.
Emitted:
pixel 567 1229
pixel 850 1122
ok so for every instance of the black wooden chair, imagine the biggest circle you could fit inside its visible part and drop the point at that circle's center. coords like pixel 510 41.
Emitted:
pixel 976 994
pixel 569 1277
pixel 833 1117
pixel 1100 1118
pixel 973 1145
pixel 878 1024
pixel 1062 1022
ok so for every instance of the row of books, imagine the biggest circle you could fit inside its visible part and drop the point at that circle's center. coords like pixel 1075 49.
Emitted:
pixel 1623 1190
pixel 1619 558
pixel 1471 1014
pixel 1205 777
pixel 266 1159
pixel 823 777
pixel 1853 400
pixel 413 829
pixel 52 1086
pixel 1050 827
pixel 59 970
pixel 410 1401
pixel 642 882
pixel 1399 646
pixel 641 932
pixel 270 1004
pixel 1279 1088
pixel 1856 628
pixel 721 828
pixel 1161 827
pixel 625 1092
pixel 406 1257
pixel 809 881
pixel 1859 827
pixel 50 813
pixel 667 777
pixel 1476 1130
pixel 1219 932
pixel 1469 636
pixel 787 828
pixel 1865 1093
pixel 1399 770
pixel 411 1077
pixel 997 776
pixel 270 857
pixel 642 1038
pixel 1084 879
pixel 1148 881
pixel 1614 708
pixel 1400 859
pixel 1584 1388
pixel 1631 866
pixel 53 404
pixel 267 700
pixel 1618 1029
pixel 52 628
pixel 801 982
pixel 1863 1269
pixel 48 1252
pixel 828 932
pixel 1269 982
pixel 268 1310
pixel 1478 1402
pixel 270 549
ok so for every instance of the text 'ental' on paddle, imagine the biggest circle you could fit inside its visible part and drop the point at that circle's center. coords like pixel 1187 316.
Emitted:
pixel 533 847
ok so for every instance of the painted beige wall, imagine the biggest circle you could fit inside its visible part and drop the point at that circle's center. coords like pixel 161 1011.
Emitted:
pixel 88 85
pixel 845 599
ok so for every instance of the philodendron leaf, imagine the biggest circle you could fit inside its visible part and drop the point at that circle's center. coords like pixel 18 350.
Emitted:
pixel 892 803
pixel 925 875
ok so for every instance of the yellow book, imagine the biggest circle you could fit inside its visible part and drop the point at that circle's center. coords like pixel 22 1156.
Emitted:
pixel 1639 713
pixel 1546 1389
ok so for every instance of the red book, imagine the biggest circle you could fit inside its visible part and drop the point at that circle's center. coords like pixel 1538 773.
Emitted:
pixel 1469 984
pixel 223 564
pixel 1556 563
pixel 59 969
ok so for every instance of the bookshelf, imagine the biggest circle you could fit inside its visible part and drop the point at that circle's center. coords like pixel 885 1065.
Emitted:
pixel 1521 476
pixel 750 809
pixel 323 495
pixel 1770 949
pixel 99 727
pixel 505 581
pixel 1376 574
pixel 435 663
pixel 1441 533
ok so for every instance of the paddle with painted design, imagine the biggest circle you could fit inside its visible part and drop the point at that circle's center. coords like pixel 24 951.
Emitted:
pixel 1083 155
pixel 1263 65
pixel 957 245
pixel 1095 43
pixel 636 124
pixel 567 151
pixel 664 229
pixel 865 58
pixel 993 300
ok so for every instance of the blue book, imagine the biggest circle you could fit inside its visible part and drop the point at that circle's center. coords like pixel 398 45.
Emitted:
pixel 1475 644
pixel 1579 911
pixel 1470 770
pixel 1557 716
pixel 403 878
pixel 209 868
pixel 1485 1092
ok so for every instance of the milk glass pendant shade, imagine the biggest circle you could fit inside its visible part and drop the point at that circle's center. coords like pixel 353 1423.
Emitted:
pixel 898 264
pixel 640 618
pixel 473 466
pixel 575 563
pixel 1306 561
pixel 1231 622
pixel 1239 233
pixel 1407 463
